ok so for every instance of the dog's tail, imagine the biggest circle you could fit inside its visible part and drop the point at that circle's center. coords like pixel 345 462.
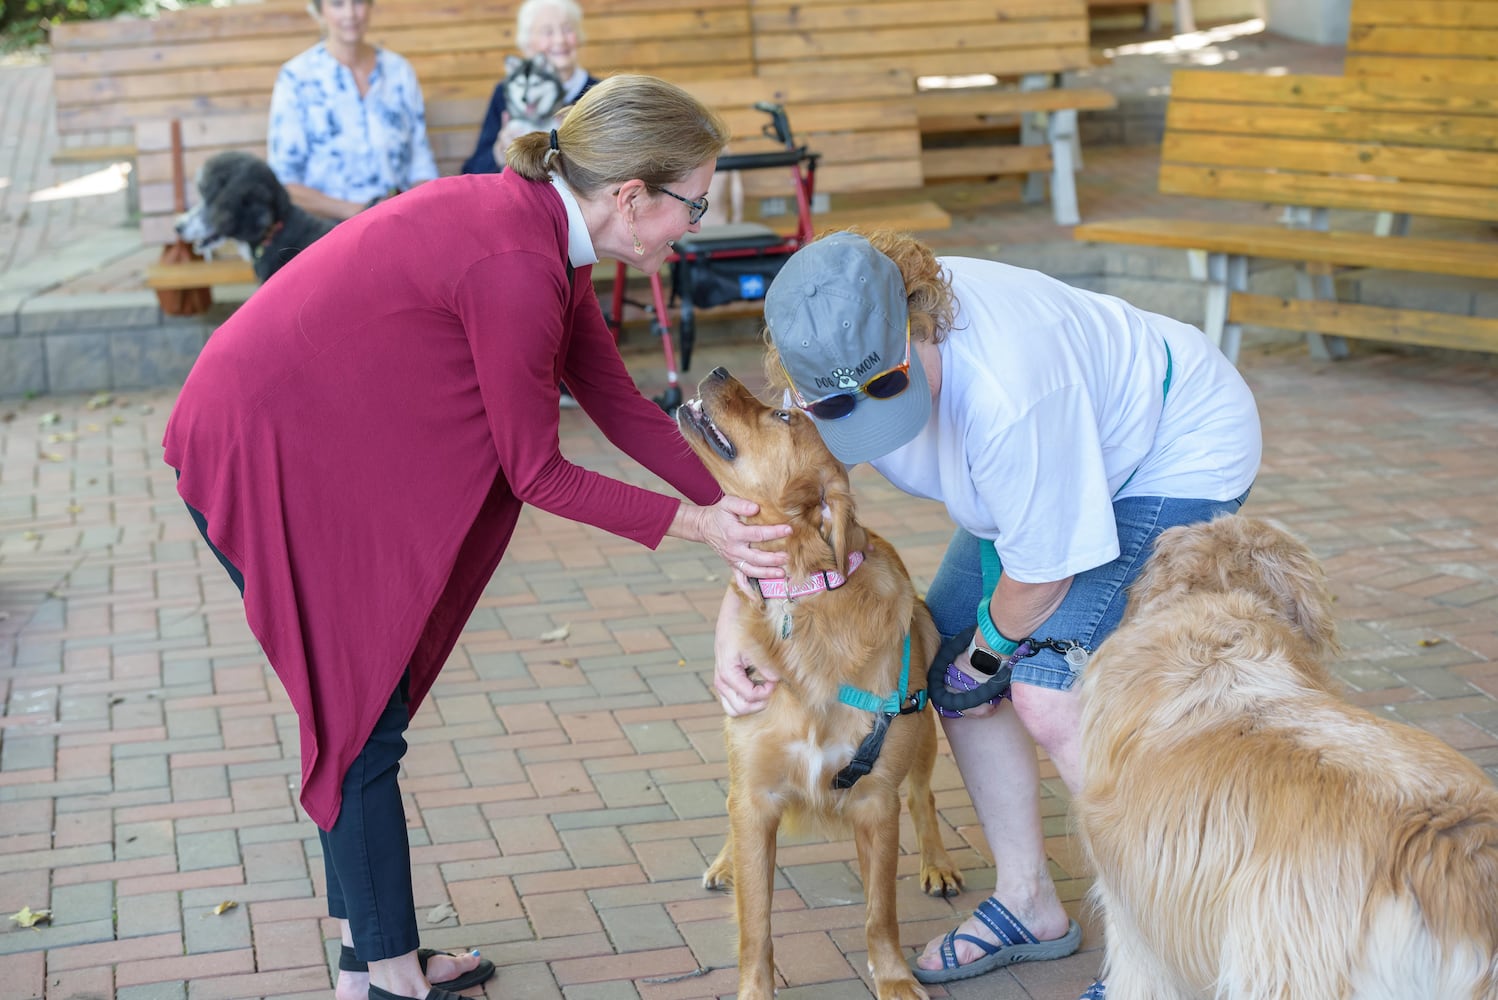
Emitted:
pixel 1432 926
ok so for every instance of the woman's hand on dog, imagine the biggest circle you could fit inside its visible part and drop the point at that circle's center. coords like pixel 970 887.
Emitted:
pixel 737 691
pixel 721 526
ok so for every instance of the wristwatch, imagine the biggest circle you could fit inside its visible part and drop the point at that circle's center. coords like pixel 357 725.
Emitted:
pixel 985 661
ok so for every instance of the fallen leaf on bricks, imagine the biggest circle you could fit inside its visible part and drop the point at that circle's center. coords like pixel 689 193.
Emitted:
pixel 567 663
pixel 74 508
pixel 224 907
pixel 30 536
pixel 1430 642
pixel 711 578
pixel 27 917
pixel 93 428
pixel 441 912
pixel 556 634
pixel 48 419
pixel 681 663
pixel 118 421
pixel 101 400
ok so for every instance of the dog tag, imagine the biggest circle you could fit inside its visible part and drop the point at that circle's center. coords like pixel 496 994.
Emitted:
pixel 785 623
pixel 1077 657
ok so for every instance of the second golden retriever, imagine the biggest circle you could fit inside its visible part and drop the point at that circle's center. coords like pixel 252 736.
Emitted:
pixel 863 629
pixel 1254 835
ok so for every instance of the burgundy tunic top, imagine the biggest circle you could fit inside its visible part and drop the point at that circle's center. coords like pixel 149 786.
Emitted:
pixel 362 433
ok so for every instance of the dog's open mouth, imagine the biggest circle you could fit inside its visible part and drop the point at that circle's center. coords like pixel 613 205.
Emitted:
pixel 693 416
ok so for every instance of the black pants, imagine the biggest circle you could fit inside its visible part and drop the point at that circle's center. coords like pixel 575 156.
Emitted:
pixel 366 855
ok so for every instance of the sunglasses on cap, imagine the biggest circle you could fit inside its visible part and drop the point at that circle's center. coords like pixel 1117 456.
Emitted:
pixel 696 207
pixel 884 385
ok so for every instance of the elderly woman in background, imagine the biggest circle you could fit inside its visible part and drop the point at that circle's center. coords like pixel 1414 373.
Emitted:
pixel 553 28
pixel 347 121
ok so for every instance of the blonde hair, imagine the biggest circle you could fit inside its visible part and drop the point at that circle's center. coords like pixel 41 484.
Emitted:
pixel 627 127
pixel 928 293
pixel 526 16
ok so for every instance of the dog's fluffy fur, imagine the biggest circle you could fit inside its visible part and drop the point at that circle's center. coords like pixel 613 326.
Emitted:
pixel 240 199
pixel 782 760
pixel 1255 836
pixel 533 92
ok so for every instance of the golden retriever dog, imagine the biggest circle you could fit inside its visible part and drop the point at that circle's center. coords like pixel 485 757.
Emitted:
pixel 785 761
pixel 1254 835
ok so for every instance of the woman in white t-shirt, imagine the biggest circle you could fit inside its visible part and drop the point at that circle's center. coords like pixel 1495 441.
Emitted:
pixel 1064 430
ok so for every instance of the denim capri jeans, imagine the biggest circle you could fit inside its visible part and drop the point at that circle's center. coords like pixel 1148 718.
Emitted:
pixel 1093 605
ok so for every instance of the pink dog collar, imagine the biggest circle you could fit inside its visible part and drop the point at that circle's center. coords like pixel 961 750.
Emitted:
pixel 829 579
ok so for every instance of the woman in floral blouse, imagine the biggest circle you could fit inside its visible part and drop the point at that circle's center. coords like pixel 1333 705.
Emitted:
pixel 347 122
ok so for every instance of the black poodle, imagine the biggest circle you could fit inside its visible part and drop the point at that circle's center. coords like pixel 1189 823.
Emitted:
pixel 239 198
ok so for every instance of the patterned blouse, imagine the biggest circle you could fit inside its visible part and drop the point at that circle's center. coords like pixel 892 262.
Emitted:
pixel 323 135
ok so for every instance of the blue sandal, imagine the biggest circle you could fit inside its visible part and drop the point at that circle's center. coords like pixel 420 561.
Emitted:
pixel 1017 944
pixel 1097 991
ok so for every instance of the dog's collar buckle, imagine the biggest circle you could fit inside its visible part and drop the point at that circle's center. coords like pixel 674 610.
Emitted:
pixel 270 234
pixel 827 579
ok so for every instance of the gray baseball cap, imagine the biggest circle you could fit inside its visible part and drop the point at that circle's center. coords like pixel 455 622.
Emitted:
pixel 837 315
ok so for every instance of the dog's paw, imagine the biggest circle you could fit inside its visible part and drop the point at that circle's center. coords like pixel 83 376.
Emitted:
pixel 719 878
pixel 940 881
pixel 900 989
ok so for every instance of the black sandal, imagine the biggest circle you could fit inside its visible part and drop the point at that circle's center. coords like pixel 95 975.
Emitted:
pixel 348 961
pixel 375 993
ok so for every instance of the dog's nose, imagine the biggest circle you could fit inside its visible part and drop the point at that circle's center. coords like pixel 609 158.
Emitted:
pixel 718 374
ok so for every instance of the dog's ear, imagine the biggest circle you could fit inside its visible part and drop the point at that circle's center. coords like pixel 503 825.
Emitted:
pixel 1294 583
pixel 280 198
pixel 242 210
pixel 513 64
pixel 838 514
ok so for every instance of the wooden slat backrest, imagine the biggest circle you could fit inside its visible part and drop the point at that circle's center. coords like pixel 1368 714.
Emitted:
pixel 1432 40
pixel 1369 144
pixel 205 61
pixel 863 124
pixel 1006 38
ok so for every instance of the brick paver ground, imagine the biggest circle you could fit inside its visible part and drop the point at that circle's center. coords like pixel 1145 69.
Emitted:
pixel 564 797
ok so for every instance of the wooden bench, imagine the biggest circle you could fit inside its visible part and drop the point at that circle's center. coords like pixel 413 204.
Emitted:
pixel 1316 144
pixel 1446 41
pixel 1033 41
pixel 864 129
pixel 109 75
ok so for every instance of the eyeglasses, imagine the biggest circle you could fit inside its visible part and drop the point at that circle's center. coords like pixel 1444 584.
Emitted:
pixel 884 385
pixel 697 206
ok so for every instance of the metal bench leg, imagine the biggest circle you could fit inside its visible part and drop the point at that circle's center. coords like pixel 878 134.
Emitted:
pixel 1185 17
pixel 1320 285
pixel 1063 134
pixel 1226 274
pixel 1033 132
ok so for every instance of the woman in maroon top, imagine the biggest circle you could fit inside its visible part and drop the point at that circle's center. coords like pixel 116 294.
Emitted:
pixel 357 440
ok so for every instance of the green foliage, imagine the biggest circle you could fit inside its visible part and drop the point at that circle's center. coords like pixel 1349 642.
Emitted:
pixel 25 24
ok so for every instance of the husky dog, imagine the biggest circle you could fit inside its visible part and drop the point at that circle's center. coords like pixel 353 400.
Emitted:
pixel 239 198
pixel 533 92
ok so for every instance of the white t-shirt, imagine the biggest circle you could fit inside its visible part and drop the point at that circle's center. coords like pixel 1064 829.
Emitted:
pixel 1051 407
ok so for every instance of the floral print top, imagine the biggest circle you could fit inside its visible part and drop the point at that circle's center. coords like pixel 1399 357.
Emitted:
pixel 323 135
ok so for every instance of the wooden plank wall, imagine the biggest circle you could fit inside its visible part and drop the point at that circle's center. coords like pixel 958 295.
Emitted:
pixel 1006 38
pixel 224 59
